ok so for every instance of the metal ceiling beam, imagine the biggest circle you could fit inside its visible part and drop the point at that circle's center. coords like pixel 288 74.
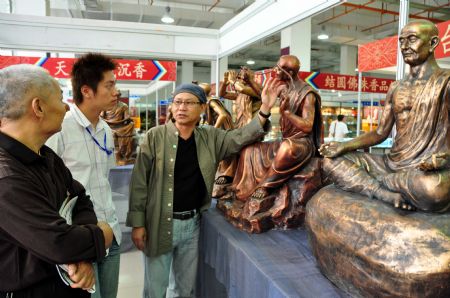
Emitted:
pixel 214 5
pixel 384 11
pixel 343 13
pixel 419 6
pixel 411 16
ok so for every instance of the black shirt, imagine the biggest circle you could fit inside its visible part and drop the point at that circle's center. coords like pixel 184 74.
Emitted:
pixel 188 183
pixel 33 237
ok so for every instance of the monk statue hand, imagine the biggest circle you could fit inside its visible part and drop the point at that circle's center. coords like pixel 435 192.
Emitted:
pixel 260 193
pixel 232 76
pixel 436 161
pixel 332 149
pixel 226 76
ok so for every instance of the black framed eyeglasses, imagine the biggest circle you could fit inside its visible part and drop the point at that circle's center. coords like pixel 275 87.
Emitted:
pixel 178 103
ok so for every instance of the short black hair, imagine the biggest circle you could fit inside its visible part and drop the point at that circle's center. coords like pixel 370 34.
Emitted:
pixel 88 70
pixel 340 117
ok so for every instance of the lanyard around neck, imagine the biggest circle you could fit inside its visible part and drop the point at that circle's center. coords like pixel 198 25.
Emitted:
pixel 104 148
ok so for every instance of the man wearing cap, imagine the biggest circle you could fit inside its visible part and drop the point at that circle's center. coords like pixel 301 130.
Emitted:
pixel 172 183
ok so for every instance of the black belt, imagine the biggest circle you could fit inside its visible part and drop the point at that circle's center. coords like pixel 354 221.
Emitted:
pixel 185 214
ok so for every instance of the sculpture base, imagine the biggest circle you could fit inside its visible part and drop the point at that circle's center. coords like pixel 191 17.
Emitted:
pixel 282 209
pixel 369 248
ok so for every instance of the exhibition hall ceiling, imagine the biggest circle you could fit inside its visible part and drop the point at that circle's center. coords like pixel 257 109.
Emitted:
pixel 351 23
pixel 193 13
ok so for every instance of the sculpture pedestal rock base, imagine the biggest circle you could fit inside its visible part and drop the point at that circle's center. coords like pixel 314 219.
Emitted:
pixel 284 208
pixel 371 249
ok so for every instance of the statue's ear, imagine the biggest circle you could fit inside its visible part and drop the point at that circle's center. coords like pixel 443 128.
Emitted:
pixel 434 41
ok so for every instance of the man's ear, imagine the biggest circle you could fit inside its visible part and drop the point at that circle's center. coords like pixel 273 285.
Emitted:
pixel 36 107
pixel 434 41
pixel 86 91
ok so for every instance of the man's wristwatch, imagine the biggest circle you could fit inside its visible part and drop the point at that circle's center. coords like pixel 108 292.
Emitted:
pixel 264 115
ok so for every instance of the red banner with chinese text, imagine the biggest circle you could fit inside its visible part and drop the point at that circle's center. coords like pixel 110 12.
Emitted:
pixel 383 53
pixel 139 70
pixel 338 82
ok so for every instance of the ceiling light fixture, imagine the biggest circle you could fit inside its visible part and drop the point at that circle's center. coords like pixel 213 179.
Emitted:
pixel 167 18
pixel 322 34
pixel 250 62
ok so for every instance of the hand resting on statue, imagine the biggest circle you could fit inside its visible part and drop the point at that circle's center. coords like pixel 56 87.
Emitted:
pixel 437 161
pixel 332 149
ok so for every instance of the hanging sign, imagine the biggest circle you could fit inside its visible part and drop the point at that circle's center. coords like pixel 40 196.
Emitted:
pixel 137 70
pixel 338 82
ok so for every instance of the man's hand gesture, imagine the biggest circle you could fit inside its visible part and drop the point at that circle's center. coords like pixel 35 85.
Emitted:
pixel 270 94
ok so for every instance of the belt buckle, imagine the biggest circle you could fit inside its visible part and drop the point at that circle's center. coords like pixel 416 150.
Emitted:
pixel 189 214
pixel 185 215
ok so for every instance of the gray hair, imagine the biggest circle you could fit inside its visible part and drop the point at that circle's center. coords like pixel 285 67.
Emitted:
pixel 18 85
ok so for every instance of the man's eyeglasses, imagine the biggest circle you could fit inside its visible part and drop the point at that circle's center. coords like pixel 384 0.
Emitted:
pixel 178 103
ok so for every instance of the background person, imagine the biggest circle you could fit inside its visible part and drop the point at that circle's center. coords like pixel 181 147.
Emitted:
pixel 338 129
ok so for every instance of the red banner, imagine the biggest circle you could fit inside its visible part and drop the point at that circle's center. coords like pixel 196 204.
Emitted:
pixel 383 53
pixel 139 70
pixel 443 49
pixel 338 82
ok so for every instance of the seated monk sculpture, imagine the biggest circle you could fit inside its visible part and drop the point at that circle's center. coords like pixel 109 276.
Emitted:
pixel 416 172
pixel 218 116
pixel 369 247
pixel 266 166
pixel 247 96
pixel 300 122
pixel 120 122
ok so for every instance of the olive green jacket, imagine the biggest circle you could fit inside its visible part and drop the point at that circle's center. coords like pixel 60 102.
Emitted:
pixel 152 180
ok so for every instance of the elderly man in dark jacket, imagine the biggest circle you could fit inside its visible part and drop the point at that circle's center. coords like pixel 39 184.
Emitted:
pixel 34 184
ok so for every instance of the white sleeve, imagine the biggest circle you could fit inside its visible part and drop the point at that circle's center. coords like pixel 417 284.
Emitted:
pixel 332 130
pixel 346 129
pixel 56 143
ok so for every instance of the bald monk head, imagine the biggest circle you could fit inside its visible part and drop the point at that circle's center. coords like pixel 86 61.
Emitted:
pixel 418 41
pixel 287 68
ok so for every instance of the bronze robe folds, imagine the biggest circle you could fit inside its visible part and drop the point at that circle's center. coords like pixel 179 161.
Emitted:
pixel 428 126
pixel 270 164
